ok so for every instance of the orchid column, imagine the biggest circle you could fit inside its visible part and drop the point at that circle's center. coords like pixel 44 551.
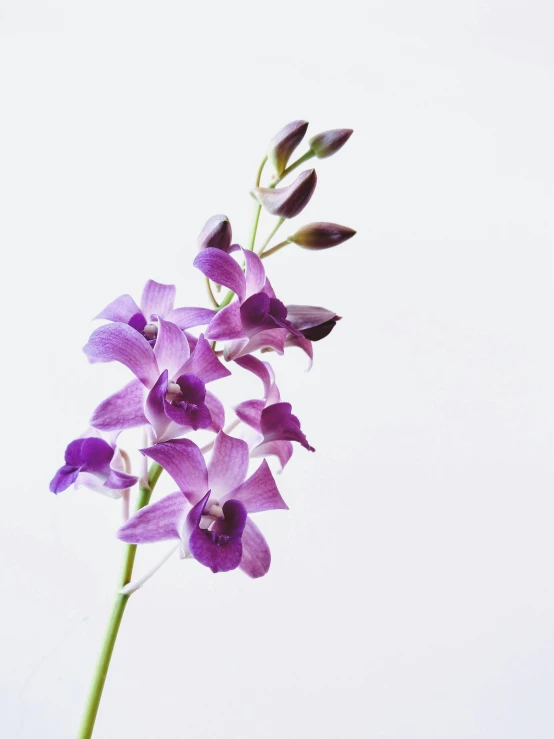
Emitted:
pixel 173 354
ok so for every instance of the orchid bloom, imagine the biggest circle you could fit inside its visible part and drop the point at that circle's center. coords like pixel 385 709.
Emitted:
pixel 157 301
pixel 210 513
pixel 170 390
pixel 257 319
pixel 94 463
pixel 272 420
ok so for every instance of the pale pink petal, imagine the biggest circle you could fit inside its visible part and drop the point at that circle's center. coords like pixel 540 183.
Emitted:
pixel 172 348
pixel 228 465
pixel 157 299
pixel 256 557
pixel 258 493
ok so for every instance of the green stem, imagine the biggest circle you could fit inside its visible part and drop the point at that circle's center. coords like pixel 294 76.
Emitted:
pixel 253 231
pixel 273 249
pixel 91 709
pixel 304 158
pixel 257 208
pixel 210 293
pixel 277 226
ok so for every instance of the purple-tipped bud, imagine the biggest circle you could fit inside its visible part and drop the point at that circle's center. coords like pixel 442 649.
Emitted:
pixel 216 234
pixel 287 202
pixel 321 235
pixel 284 143
pixel 329 142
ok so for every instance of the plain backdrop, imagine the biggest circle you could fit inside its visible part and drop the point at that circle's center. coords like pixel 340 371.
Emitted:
pixel 411 593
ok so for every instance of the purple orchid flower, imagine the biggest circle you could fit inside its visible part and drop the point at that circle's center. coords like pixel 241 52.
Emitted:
pixel 257 319
pixel 273 420
pixel 157 302
pixel 94 463
pixel 177 399
pixel 210 514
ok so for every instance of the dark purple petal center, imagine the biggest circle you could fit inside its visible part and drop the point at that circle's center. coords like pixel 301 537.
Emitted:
pixel 83 455
pixel 277 423
pixel 217 545
pixel 148 330
pixel 185 402
pixel 259 312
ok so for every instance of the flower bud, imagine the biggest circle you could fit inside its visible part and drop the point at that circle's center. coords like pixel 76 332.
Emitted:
pixel 313 323
pixel 287 202
pixel 321 235
pixel 284 143
pixel 216 234
pixel 329 142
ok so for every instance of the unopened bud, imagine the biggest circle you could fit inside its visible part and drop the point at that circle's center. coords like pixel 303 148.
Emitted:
pixel 329 142
pixel 216 234
pixel 287 202
pixel 321 235
pixel 284 143
pixel 313 323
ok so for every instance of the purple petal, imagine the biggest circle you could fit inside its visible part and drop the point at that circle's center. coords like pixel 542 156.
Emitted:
pixel 122 410
pixel 183 414
pixel 281 449
pixel 157 522
pixel 256 557
pixel 258 493
pixel 226 324
pixel 250 412
pixel 183 460
pixel 172 348
pixel 217 411
pixel 118 480
pixel 96 455
pixel 117 342
pixel 228 465
pixel 190 317
pixel 63 478
pixel 120 310
pixel 221 268
pixel 157 299
pixel 278 423
pixel 273 338
pixel 220 549
pixel 261 369
pixel 72 455
pixel 235 348
pixel 203 363
pixel 255 273
pixel 154 408
pixel 254 314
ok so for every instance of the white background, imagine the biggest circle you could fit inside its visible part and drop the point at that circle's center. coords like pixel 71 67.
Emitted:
pixel 411 593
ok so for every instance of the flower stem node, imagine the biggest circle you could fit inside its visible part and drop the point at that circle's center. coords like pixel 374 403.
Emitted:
pixel 321 235
pixel 284 143
pixel 287 202
pixel 329 142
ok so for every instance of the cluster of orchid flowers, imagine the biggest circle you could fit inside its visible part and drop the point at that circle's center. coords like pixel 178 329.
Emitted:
pixel 209 515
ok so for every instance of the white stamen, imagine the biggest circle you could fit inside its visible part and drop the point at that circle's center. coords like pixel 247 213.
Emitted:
pixel 150 330
pixel 216 510
pixel 139 582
